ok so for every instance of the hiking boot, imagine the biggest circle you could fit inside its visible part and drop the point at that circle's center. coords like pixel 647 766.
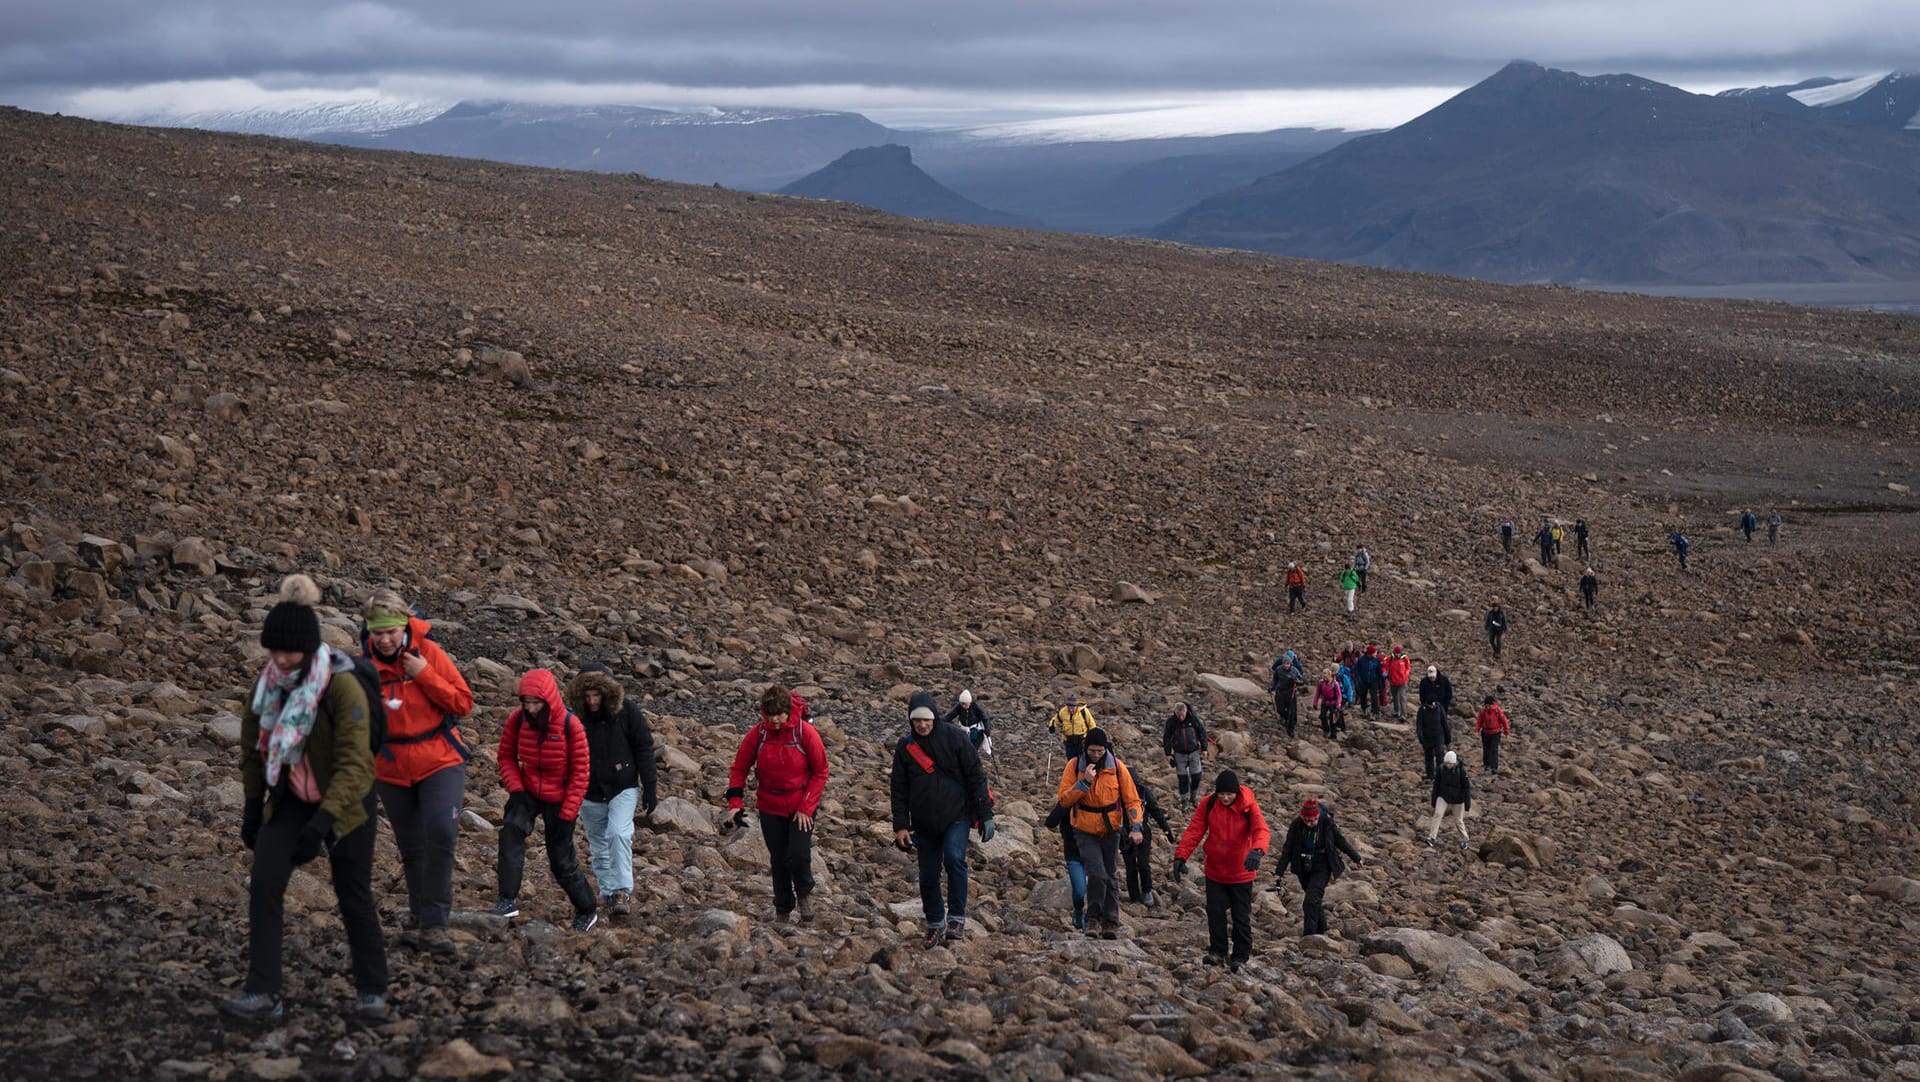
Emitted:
pixel 1235 966
pixel 370 1007
pixel 1109 930
pixel 253 1007
pixel 436 941
pixel 783 916
pixel 618 904
pixel 803 906
pixel 1150 901
pixel 956 932
pixel 584 922
pixel 1080 920
pixel 506 908
pixel 1213 959
pixel 1429 843
pixel 1463 846
pixel 934 938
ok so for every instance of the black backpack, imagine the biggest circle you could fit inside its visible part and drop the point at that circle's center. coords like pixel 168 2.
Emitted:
pixel 1186 738
pixel 363 671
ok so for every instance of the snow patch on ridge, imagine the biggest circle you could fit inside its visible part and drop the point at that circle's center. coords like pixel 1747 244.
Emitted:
pixel 1838 93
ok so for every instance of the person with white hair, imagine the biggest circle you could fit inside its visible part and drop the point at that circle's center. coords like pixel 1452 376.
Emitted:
pixel 970 716
pixel 1451 793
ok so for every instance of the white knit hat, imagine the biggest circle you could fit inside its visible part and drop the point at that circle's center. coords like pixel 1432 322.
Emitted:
pixel 966 698
pixel 1452 758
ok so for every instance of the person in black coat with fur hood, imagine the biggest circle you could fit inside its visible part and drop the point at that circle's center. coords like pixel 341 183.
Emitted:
pixel 620 776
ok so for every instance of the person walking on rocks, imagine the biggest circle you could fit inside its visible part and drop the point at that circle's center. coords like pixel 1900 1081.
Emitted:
pixel 1349 582
pixel 1232 830
pixel 1073 721
pixel 621 779
pixel 1506 535
pixel 1370 674
pixel 1492 724
pixel 939 792
pixel 1399 674
pixel 1312 853
pixel 1681 546
pixel 789 760
pixel 1343 672
pixel 972 720
pixel 1559 537
pixel 1580 539
pixel 1430 725
pixel 1362 563
pixel 1749 522
pixel 1289 683
pixel 1589 587
pixel 306 772
pixel 1545 540
pixel 1183 739
pixel 1773 526
pixel 1102 803
pixel 1451 793
pixel 421 771
pixel 1296 587
pixel 545 767
pixel 1496 627
pixel 1327 698
pixel 1137 858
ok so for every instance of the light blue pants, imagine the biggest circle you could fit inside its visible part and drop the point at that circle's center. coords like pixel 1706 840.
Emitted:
pixel 610 839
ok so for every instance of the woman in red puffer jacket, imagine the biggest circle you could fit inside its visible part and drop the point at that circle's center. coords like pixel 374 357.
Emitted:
pixel 544 765
pixel 787 755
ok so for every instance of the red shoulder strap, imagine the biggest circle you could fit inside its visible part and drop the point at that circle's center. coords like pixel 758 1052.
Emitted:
pixel 920 755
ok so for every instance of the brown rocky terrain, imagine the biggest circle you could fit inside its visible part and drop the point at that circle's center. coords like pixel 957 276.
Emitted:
pixel 717 439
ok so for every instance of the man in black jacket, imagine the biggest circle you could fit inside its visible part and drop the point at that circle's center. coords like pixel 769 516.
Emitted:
pixel 1289 677
pixel 1138 859
pixel 620 776
pixel 1430 724
pixel 1183 739
pixel 1496 627
pixel 1451 792
pixel 1312 853
pixel 938 792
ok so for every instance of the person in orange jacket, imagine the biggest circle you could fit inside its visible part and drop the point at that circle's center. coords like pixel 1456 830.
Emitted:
pixel 1234 833
pixel 421 772
pixel 1102 803
pixel 545 765
pixel 1492 724
pixel 1296 587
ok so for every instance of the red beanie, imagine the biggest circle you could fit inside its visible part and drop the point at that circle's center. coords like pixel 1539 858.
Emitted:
pixel 1310 810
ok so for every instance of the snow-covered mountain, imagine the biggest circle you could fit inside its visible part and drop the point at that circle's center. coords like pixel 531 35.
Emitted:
pixel 296 120
pixel 1879 100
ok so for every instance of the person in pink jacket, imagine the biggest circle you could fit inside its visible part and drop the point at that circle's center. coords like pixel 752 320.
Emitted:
pixel 544 766
pixel 1328 698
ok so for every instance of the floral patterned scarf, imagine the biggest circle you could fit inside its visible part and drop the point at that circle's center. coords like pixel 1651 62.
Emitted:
pixel 285 703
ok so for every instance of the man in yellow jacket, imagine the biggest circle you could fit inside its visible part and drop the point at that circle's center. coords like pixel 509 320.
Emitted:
pixel 1098 792
pixel 1072 722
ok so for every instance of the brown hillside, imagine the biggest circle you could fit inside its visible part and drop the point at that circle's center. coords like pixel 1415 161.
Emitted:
pixel 763 438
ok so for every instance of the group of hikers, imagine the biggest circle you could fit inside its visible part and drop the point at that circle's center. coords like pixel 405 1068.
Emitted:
pixel 326 733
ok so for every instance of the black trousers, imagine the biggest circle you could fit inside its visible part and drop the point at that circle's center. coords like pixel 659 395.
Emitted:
pixel 1139 862
pixel 1490 751
pixel 1098 853
pixel 1235 899
pixel 1580 546
pixel 351 866
pixel 1314 909
pixel 561 859
pixel 1494 637
pixel 1296 597
pixel 1588 594
pixel 1362 572
pixel 789 858
pixel 1074 745
pixel 1434 753
pixel 1288 706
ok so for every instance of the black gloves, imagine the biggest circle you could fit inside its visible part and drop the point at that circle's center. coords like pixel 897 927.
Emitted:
pixel 250 823
pixel 1252 862
pixel 1168 831
pixel 307 845
pixel 1055 817
pixel 735 819
pixel 1357 862
pixel 986 830
pixel 1179 868
pixel 649 802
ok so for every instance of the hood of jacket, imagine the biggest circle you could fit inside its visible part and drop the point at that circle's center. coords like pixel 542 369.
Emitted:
pixel 540 684
pixel 611 693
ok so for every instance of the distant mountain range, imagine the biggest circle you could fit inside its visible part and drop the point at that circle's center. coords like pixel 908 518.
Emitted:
pixel 1536 175
pixel 1876 101
pixel 884 177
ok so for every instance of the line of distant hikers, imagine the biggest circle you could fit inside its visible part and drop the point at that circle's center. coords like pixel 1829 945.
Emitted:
pixel 326 732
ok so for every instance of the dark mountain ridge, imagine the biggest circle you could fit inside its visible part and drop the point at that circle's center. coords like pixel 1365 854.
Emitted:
pixel 885 178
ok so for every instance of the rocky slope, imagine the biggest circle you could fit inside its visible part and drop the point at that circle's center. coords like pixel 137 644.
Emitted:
pixel 717 439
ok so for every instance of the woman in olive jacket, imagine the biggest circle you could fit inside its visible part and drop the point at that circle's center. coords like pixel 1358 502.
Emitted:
pixel 307 770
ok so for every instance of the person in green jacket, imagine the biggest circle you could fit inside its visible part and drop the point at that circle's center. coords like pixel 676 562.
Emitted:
pixel 307 772
pixel 1349 582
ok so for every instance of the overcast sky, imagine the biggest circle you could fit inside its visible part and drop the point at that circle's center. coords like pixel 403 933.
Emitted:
pixel 1265 63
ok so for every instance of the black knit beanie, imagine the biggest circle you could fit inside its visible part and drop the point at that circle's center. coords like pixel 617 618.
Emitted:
pixel 1227 782
pixel 291 625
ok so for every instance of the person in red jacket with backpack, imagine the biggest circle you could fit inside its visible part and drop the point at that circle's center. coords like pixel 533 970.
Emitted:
pixel 544 763
pixel 1235 836
pixel 1492 724
pixel 786 753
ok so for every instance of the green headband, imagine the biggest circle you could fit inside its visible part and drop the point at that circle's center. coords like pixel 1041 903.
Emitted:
pixel 386 621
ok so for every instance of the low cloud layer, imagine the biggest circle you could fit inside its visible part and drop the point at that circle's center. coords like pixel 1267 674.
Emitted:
pixel 866 53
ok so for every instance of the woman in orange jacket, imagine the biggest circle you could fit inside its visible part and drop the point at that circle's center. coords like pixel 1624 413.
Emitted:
pixel 421 772
pixel 1102 803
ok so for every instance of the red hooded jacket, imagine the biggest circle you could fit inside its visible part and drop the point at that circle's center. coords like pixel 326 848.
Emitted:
pixel 1399 669
pixel 1230 831
pixel 1491 719
pixel 547 763
pixel 791 763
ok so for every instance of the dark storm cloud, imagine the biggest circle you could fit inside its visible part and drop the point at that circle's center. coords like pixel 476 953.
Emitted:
pixel 1073 46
